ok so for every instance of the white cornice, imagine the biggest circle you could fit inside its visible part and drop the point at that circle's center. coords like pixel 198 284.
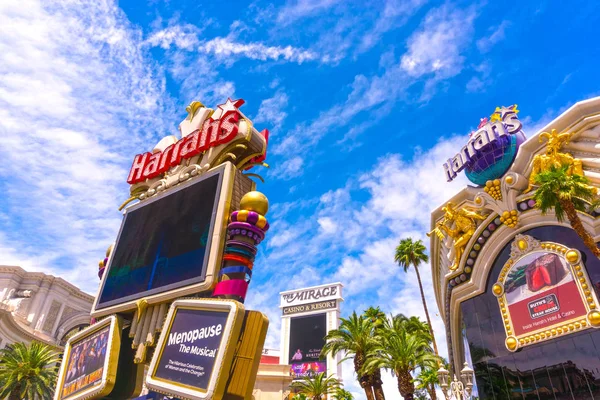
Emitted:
pixel 41 277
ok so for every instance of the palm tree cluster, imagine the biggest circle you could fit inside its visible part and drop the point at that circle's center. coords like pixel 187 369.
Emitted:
pixel 27 371
pixel 318 387
pixel 397 344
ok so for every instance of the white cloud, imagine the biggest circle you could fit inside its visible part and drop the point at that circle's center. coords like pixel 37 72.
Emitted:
pixel 289 168
pixel 475 84
pixel 436 48
pixel 486 43
pixel 297 9
pixel 327 225
pixel 395 13
pixel 77 97
pixel 434 53
pixel 181 36
pixel 225 47
pixel 272 110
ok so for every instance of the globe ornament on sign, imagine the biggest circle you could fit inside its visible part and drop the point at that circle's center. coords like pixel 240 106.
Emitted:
pixel 491 149
pixel 495 161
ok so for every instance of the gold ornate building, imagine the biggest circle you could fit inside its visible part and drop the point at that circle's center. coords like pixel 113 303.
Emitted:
pixel 517 288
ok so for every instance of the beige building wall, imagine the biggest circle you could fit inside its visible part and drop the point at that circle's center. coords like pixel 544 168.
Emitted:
pixel 272 382
pixel 37 306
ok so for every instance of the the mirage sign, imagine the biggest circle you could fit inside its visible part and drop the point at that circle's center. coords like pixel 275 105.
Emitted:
pixel 311 295
pixel 196 345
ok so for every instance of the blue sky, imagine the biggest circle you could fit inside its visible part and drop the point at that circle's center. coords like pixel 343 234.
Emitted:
pixel 364 102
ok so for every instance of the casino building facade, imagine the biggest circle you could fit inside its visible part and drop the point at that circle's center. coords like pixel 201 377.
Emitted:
pixel 518 290
pixel 41 307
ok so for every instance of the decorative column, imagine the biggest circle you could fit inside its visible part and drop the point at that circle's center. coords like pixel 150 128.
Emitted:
pixel 246 230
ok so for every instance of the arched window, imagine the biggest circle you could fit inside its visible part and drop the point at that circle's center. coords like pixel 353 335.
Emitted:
pixel 71 332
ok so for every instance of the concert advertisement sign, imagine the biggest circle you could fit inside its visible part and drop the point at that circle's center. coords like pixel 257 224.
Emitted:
pixel 541 292
pixel 89 366
pixel 307 338
pixel 197 343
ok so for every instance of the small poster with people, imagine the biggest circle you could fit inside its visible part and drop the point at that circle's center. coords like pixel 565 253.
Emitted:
pixel 90 362
pixel 85 363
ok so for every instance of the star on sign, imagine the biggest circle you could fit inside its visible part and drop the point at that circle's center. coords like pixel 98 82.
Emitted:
pixel 507 110
pixel 495 117
pixel 482 122
pixel 229 105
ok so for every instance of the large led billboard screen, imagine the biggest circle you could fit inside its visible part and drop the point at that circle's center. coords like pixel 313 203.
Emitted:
pixel 307 337
pixel 164 242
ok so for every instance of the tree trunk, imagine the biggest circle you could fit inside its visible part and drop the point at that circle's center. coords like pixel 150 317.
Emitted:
pixel 369 392
pixel 405 385
pixel 435 349
pixel 578 227
pixel 14 395
pixel 377 384
pixel 363 380
pixel 431 391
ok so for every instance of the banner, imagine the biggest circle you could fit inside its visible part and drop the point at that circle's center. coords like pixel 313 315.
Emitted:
pixel 196 348
pixel 89 367
pixel 307 338
pixel 192 346
pixel 85 363
pixel 543 292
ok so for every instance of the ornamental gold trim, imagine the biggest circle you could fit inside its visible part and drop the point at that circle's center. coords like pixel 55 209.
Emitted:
pixel 541 297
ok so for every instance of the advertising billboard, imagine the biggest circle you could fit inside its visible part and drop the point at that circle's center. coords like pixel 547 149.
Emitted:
pixel 196 348
pixel 90 361
pixel 165 242
pixel 307 337
pixel 540 292
pixel 543 292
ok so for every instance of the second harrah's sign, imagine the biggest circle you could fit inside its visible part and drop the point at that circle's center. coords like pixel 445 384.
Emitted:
pixel 507 123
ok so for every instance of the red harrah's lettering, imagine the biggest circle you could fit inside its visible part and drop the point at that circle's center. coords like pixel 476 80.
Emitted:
pixel 213 133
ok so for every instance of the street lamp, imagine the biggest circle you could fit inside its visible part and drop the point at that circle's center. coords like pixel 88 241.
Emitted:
pixel 458 390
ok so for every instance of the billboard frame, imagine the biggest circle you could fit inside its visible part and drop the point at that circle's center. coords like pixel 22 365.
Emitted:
pixel 109 374
pixel 224 359
pixel 214 250
pixel 523 246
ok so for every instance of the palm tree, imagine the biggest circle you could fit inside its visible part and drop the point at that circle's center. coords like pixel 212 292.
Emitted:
pixel 27 372
pixel 375 314
pixel 401 352
pixel 427 380
pixel 378 318
pixel 341 394
pixel 355 337
pixel 409 253
pixel 566 194
pixel 414 324
pixel 317 386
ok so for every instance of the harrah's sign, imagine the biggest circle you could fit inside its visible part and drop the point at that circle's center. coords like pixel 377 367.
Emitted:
pixel 212 133
pixel 488 132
